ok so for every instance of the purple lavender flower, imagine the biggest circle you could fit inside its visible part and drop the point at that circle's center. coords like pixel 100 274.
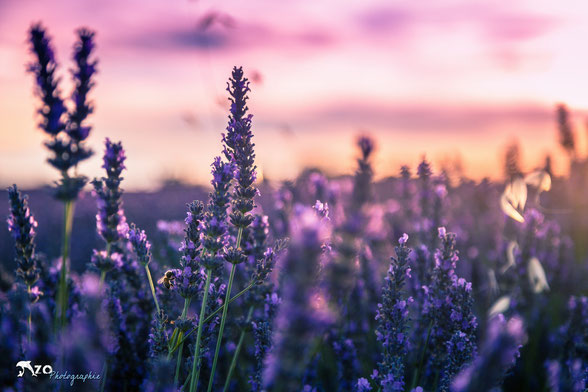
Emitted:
pixel 83 75
pixel 141 245
pixel 448 311
pixel 362 191
pixel 424 172
pixel 363 385
pixel 158 339
pixel 110 220
pixel 22 224
pixel 569 372
pixel 105 261
pixel 47 88
pixel 67 130
pixel 497 355
pixel 392 317
pixel 262 333
pixel 299 318
pixel 214 226
pixel 255 239
pixel 189 277
pixel 239 149
pixel 322 209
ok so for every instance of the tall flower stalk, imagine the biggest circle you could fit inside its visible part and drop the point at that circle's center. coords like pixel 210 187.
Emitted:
pixel 392 317
pixel 213 236
pixel 239 151
pixel 67 131
pixel 189 277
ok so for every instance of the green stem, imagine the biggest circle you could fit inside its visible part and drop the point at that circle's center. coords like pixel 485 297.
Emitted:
pixel 196 362
pixel 174 338
pixel 222 326
pixel 415 378
pixel 179 360
pixel 62 295
pixel 237 350
pixel 218 310
pixel 104 374
pixel 152 287
pixel 181 350
pixel 172 342
pixel 224 316
pixel 102 277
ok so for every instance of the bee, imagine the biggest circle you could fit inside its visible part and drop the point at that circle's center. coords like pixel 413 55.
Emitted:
pixel 168 279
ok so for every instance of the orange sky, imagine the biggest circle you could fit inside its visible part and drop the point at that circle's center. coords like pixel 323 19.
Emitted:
pixel 437 78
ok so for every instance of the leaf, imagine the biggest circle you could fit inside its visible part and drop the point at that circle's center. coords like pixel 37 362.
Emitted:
pixel 509 210
pixel 540 179
pixel 518 193
pixel 500 306
pixel 492 282
pixel 510 258
pixel 537 276
pixel 514 198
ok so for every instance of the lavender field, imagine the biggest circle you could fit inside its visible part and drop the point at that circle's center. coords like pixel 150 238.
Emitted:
pixel 425 280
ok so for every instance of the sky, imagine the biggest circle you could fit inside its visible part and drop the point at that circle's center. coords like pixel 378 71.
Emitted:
pixel 455 81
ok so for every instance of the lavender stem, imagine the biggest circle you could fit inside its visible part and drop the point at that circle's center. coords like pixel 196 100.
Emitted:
pixel 62 295
pixel 152 287
pixel 224 316
pixel 237 350
pixel 196 362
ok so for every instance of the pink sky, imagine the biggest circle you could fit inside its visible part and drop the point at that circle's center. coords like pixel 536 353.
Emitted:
pixel 435 78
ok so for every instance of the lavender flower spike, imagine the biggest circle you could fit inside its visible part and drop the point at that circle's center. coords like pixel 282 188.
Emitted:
pixel 67 130
pixel 299 319
pixel 141 245
pixel 239 149
pixel 53 108
pixel 82 75
pixel 392 317
pixel 21 225
pixel 110 220
pixel 142 248
pixel 498 354
pixel 449 312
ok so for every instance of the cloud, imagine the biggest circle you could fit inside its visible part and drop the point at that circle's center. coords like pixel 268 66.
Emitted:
pixel 216 31
pixel 491 21
pixel 426 118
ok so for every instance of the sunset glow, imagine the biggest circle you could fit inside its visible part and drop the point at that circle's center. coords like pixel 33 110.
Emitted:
pixel 453 79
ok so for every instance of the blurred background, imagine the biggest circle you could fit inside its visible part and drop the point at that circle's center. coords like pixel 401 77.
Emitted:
pixel 458 81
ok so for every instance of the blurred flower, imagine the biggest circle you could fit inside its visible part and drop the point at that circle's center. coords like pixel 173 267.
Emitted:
pixel 21 225
pixel 497 355
pixel 297 322
pixel 67 130
pixel 363 385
